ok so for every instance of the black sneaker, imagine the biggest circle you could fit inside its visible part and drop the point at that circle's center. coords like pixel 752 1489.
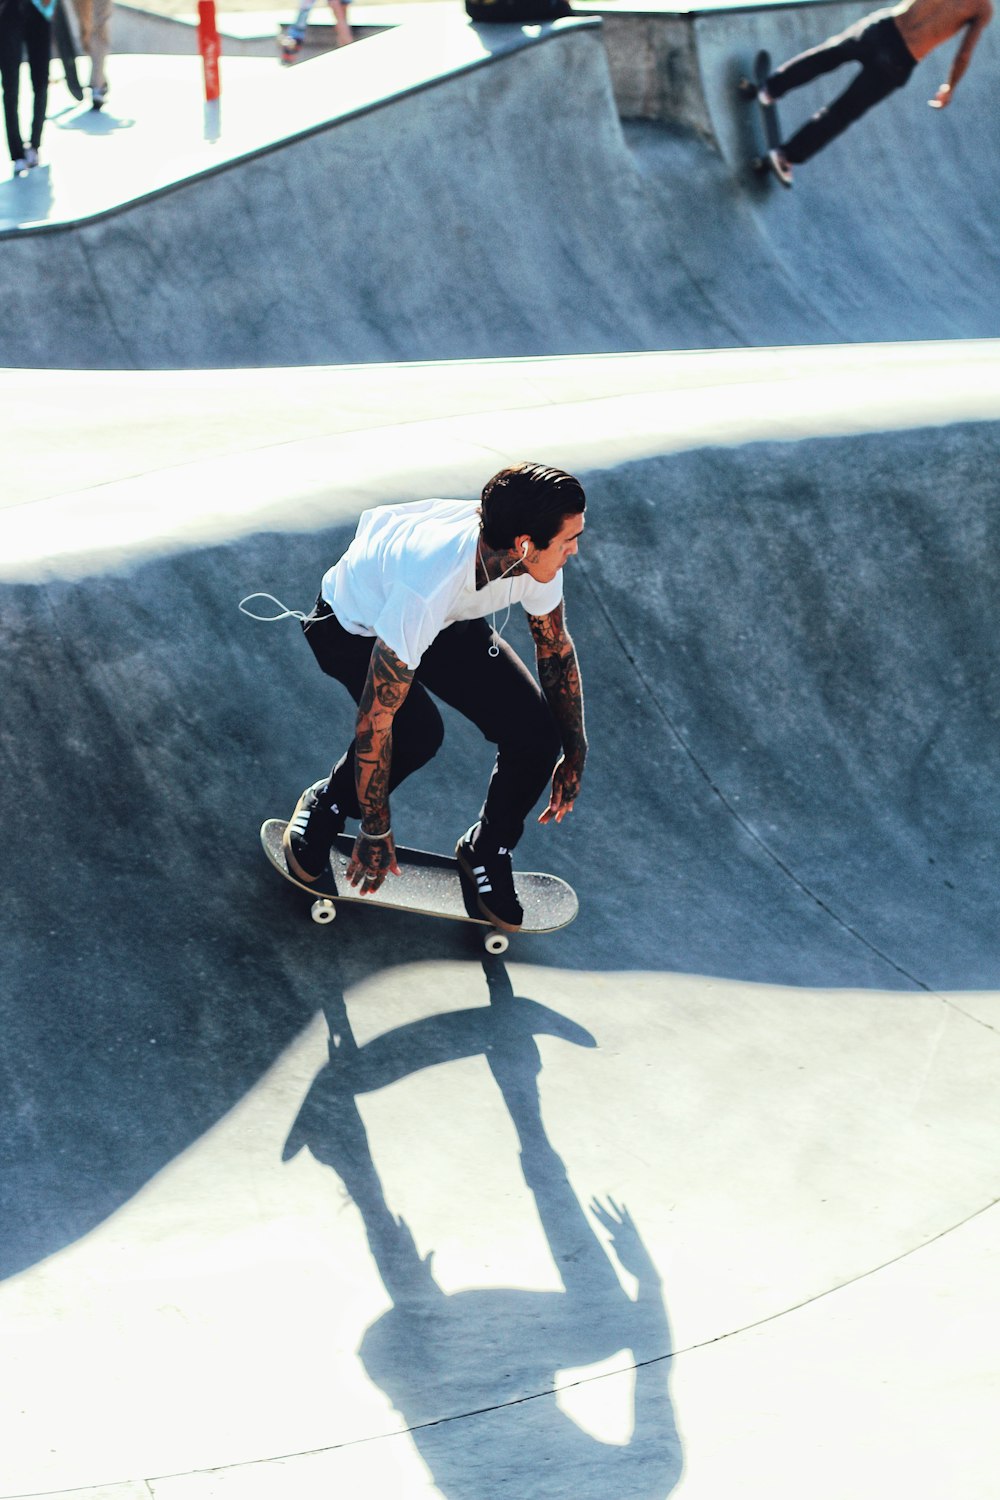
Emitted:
pixel 491 874
pixel 311 831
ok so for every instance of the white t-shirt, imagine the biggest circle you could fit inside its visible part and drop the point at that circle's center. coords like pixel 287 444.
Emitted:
pixel 411 571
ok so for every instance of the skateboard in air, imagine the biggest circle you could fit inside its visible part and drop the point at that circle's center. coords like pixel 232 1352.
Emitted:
pixel 770 129
pixel 431 885
pixel 66 47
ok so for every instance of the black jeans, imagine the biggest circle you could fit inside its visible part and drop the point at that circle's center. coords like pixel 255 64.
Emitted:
pixel 498 694
pixel 886 64
pixel 21 25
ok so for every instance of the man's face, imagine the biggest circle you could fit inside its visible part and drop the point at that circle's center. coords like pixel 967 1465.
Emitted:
pixel 544 563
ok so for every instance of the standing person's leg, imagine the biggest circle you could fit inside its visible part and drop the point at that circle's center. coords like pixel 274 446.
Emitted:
pixel 11 48
pixel 100 43
pixel 38 39
pixel 85 22
pixel 417 732
pixel 339 12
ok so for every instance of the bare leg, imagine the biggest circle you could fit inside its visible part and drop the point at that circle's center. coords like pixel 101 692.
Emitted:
pixel 344 33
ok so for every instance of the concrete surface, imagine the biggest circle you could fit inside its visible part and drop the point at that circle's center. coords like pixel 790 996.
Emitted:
pixel 255 33
pixel 363 232
pixel 699 1197
pixel 696 1198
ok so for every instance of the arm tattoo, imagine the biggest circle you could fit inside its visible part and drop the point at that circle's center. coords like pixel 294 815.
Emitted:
pixel 385 689
pixel 559 675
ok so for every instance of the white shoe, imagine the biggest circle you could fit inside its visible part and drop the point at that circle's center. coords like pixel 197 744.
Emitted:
pixel 31 156
pixel 782 166
pixel 20 166
pixel 763 97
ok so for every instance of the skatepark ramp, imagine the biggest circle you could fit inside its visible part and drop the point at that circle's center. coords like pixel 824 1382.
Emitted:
pixel 445 191
pixel 325 1190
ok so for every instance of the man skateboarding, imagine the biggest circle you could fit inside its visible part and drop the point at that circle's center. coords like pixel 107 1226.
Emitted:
pixel 888 45
pixel 411 609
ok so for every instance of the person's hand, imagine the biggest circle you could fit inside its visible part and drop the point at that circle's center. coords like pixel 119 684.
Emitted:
pixel 566 780
pixel 942 98
pixel 371 861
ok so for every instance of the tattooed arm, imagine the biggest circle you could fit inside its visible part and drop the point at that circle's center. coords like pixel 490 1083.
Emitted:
pixel 559 675
pixel 386 687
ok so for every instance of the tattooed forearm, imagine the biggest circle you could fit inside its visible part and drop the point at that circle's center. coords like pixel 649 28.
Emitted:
pixel 559 675
pixel 385 689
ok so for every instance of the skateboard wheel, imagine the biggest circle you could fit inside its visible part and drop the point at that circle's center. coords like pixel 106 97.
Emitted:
pixel 496 942
pixel 323 911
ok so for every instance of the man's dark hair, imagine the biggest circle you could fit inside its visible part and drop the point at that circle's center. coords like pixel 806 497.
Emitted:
pixel 528 500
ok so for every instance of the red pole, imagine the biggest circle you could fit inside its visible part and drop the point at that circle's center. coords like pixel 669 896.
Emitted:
pixel 209 47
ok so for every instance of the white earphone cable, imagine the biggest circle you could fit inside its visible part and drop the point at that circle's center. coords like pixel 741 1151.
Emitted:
pixel 286 614
pixel 494 648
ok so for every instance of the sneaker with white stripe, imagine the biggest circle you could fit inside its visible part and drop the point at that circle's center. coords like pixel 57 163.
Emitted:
pixel 490 872
pixel 311 830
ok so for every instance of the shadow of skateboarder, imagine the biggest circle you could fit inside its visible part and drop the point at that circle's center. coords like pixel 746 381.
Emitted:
pixel 490 1355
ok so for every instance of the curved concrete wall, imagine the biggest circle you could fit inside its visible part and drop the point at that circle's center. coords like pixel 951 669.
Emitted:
pixel 500 210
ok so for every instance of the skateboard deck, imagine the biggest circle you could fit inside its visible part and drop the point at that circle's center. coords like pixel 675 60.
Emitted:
pixel 769 124
pixel 65 41
pixel 431 885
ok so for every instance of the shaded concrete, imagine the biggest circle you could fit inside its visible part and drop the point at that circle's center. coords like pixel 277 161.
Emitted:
pixel 696 1197
pixel 372 215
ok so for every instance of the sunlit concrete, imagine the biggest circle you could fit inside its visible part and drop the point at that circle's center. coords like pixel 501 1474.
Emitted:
pixel 199 457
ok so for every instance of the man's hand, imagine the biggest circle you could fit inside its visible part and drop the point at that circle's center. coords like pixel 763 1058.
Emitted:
pixel 942 98
pixel 371 861
pixel 566 780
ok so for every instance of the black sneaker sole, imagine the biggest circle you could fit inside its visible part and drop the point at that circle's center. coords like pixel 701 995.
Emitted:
pixel 469 873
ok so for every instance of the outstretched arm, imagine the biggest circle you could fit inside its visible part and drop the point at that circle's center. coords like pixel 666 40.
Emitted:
pixel 559 675
pixel 386 687
pixel 963 56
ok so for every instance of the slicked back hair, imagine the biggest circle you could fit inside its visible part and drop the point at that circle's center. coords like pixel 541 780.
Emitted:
pixel 528 499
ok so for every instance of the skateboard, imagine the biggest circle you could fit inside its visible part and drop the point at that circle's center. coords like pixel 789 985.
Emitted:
pixel 295 35
pixel 770 127
pixel 431 885
pixel 66 47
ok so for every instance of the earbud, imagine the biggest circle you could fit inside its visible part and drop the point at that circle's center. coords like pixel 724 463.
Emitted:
pixel 524 549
